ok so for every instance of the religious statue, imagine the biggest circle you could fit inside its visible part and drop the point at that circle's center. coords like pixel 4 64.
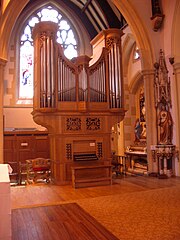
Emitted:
pixel 165 123
pixel 137 130
pixel 142 105
pixel 143 133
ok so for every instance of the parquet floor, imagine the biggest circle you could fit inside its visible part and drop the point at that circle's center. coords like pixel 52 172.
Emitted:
pixel 134 208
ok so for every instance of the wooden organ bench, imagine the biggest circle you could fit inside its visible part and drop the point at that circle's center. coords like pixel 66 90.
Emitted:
pixel 91 175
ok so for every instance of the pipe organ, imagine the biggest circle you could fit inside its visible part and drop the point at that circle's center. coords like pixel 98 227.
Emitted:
pixel 97 80
pixel 66 79
pixel 76 101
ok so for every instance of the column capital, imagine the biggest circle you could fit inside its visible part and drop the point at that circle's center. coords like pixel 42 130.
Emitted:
pixel 147 72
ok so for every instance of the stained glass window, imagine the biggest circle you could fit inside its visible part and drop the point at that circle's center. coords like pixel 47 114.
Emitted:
pixel 65 36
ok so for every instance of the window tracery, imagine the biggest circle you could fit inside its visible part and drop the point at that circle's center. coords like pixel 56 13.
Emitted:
pixel 65 37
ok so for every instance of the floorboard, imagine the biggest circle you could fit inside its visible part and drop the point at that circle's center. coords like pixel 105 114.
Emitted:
pixel 64 222
pixel 132 208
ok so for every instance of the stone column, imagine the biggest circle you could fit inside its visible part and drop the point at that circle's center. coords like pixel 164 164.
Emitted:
pixel 177 112
pixel 148 77
pixel 2 64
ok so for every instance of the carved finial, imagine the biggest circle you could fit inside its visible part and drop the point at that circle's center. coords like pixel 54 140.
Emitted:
pixel 162 83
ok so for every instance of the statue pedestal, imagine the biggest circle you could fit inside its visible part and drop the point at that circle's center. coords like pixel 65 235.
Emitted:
pixel 164 155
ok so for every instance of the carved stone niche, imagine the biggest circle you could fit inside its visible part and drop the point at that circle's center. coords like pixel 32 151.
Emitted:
pixel 140 123
pixel 164 153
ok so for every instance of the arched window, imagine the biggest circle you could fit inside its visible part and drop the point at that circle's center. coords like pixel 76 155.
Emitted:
pixel 136 55
pixel 65 36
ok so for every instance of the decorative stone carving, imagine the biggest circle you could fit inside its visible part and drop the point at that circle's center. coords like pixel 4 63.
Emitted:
pixel 163 101
pixel 162 82
pixel 164 153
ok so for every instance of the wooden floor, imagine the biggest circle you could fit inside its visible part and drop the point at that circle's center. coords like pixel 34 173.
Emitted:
pixel 49 194
pixel 49 212
pixel 64 222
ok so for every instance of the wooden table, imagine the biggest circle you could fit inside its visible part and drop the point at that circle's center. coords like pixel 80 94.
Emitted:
pixel 5 201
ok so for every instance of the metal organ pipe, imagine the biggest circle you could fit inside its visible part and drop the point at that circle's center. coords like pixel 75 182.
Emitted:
pixel 115 76
pixel 118 57
pixel 42 97
pixel 45 73
pixel 52 75
pixel 76 80
pixel 104 82
pixel 110 79
pixel 97 78
pixel 58 79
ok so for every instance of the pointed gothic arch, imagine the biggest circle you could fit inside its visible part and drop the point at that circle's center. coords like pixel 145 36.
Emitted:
pixel 139 32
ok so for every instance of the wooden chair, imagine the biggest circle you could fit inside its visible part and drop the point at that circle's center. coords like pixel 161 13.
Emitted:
pixel 14 176
pixel 22 173
pixel 119 164
pixel 38 169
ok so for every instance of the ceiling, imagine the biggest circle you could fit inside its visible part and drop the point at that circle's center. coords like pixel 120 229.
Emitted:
pixel 96 15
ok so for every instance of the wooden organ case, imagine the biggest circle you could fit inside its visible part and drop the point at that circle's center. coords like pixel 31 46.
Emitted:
pixel 77 103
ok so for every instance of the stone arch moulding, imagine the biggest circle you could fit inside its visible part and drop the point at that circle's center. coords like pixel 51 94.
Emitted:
pixel 127 10
pixel 136 82
pixel 79 30
pixel 139 32
pixel 10 17
pixel 127 47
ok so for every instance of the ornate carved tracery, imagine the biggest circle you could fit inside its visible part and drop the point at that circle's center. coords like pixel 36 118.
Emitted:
pixel 73 124
pixel 93 123
pixel 163 101
pixel 164 152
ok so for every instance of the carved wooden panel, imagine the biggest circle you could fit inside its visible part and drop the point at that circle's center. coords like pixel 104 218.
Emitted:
pixel 73 124
pixel 93 124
